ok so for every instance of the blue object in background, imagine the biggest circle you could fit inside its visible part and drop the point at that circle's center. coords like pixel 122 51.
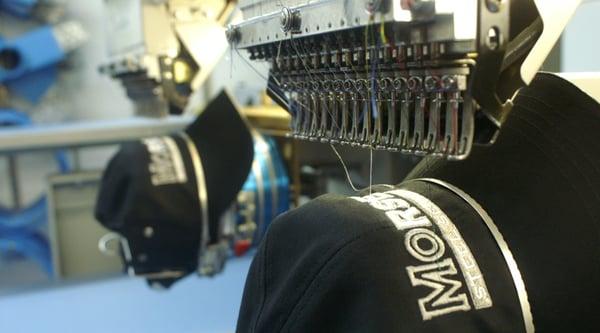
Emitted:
pixel 28 63
pixel 20 8
pixel 30 217
pixel 282 180
pixel 269 183
pixel 10 117
pixel 19 229
pixel 27 243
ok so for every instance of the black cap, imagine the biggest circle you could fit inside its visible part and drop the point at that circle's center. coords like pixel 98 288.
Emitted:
pixel 341 264
pixel 149 191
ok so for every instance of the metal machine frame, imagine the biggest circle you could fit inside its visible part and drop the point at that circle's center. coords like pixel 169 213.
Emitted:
pixel 448 58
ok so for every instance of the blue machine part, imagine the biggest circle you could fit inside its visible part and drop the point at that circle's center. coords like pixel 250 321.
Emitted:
pixel 27 63
pixel 20 8
pixel 28 244
pixel 11 117
pixel 18 232
pixel 31 217
pixel 268 183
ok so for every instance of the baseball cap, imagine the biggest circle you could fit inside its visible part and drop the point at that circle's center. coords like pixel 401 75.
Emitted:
pixel 164 194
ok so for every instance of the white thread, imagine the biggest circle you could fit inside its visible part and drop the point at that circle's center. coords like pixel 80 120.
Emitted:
pixel 345 168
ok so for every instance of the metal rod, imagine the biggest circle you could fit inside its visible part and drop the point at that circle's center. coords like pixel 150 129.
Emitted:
pixel 14 181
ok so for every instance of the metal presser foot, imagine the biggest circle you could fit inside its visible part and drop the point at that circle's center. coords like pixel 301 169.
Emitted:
pixel 416 114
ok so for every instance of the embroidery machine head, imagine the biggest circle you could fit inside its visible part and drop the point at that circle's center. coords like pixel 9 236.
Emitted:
pixel 424 77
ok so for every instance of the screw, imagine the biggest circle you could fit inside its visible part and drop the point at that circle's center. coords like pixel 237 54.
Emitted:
pixel 493 5
pixel 431 83
pixel 148 232
pixel 448 82
pixel 233 34
pixel 290 20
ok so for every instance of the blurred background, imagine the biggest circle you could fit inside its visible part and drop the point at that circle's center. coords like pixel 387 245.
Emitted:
pixel 77 78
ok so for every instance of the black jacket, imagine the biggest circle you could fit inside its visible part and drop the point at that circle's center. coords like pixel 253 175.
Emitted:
pixel 391 262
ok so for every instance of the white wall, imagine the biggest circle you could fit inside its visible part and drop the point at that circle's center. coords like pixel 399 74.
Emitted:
pixel 581 43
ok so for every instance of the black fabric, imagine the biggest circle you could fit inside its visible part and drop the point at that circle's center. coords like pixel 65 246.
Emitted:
pixel 339 265
pixel 540 182
pixel 505 315
pixel 129 203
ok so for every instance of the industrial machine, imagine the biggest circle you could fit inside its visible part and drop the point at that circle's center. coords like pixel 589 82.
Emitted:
pixel 158 49
pixel 424 77
pixel 419 77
